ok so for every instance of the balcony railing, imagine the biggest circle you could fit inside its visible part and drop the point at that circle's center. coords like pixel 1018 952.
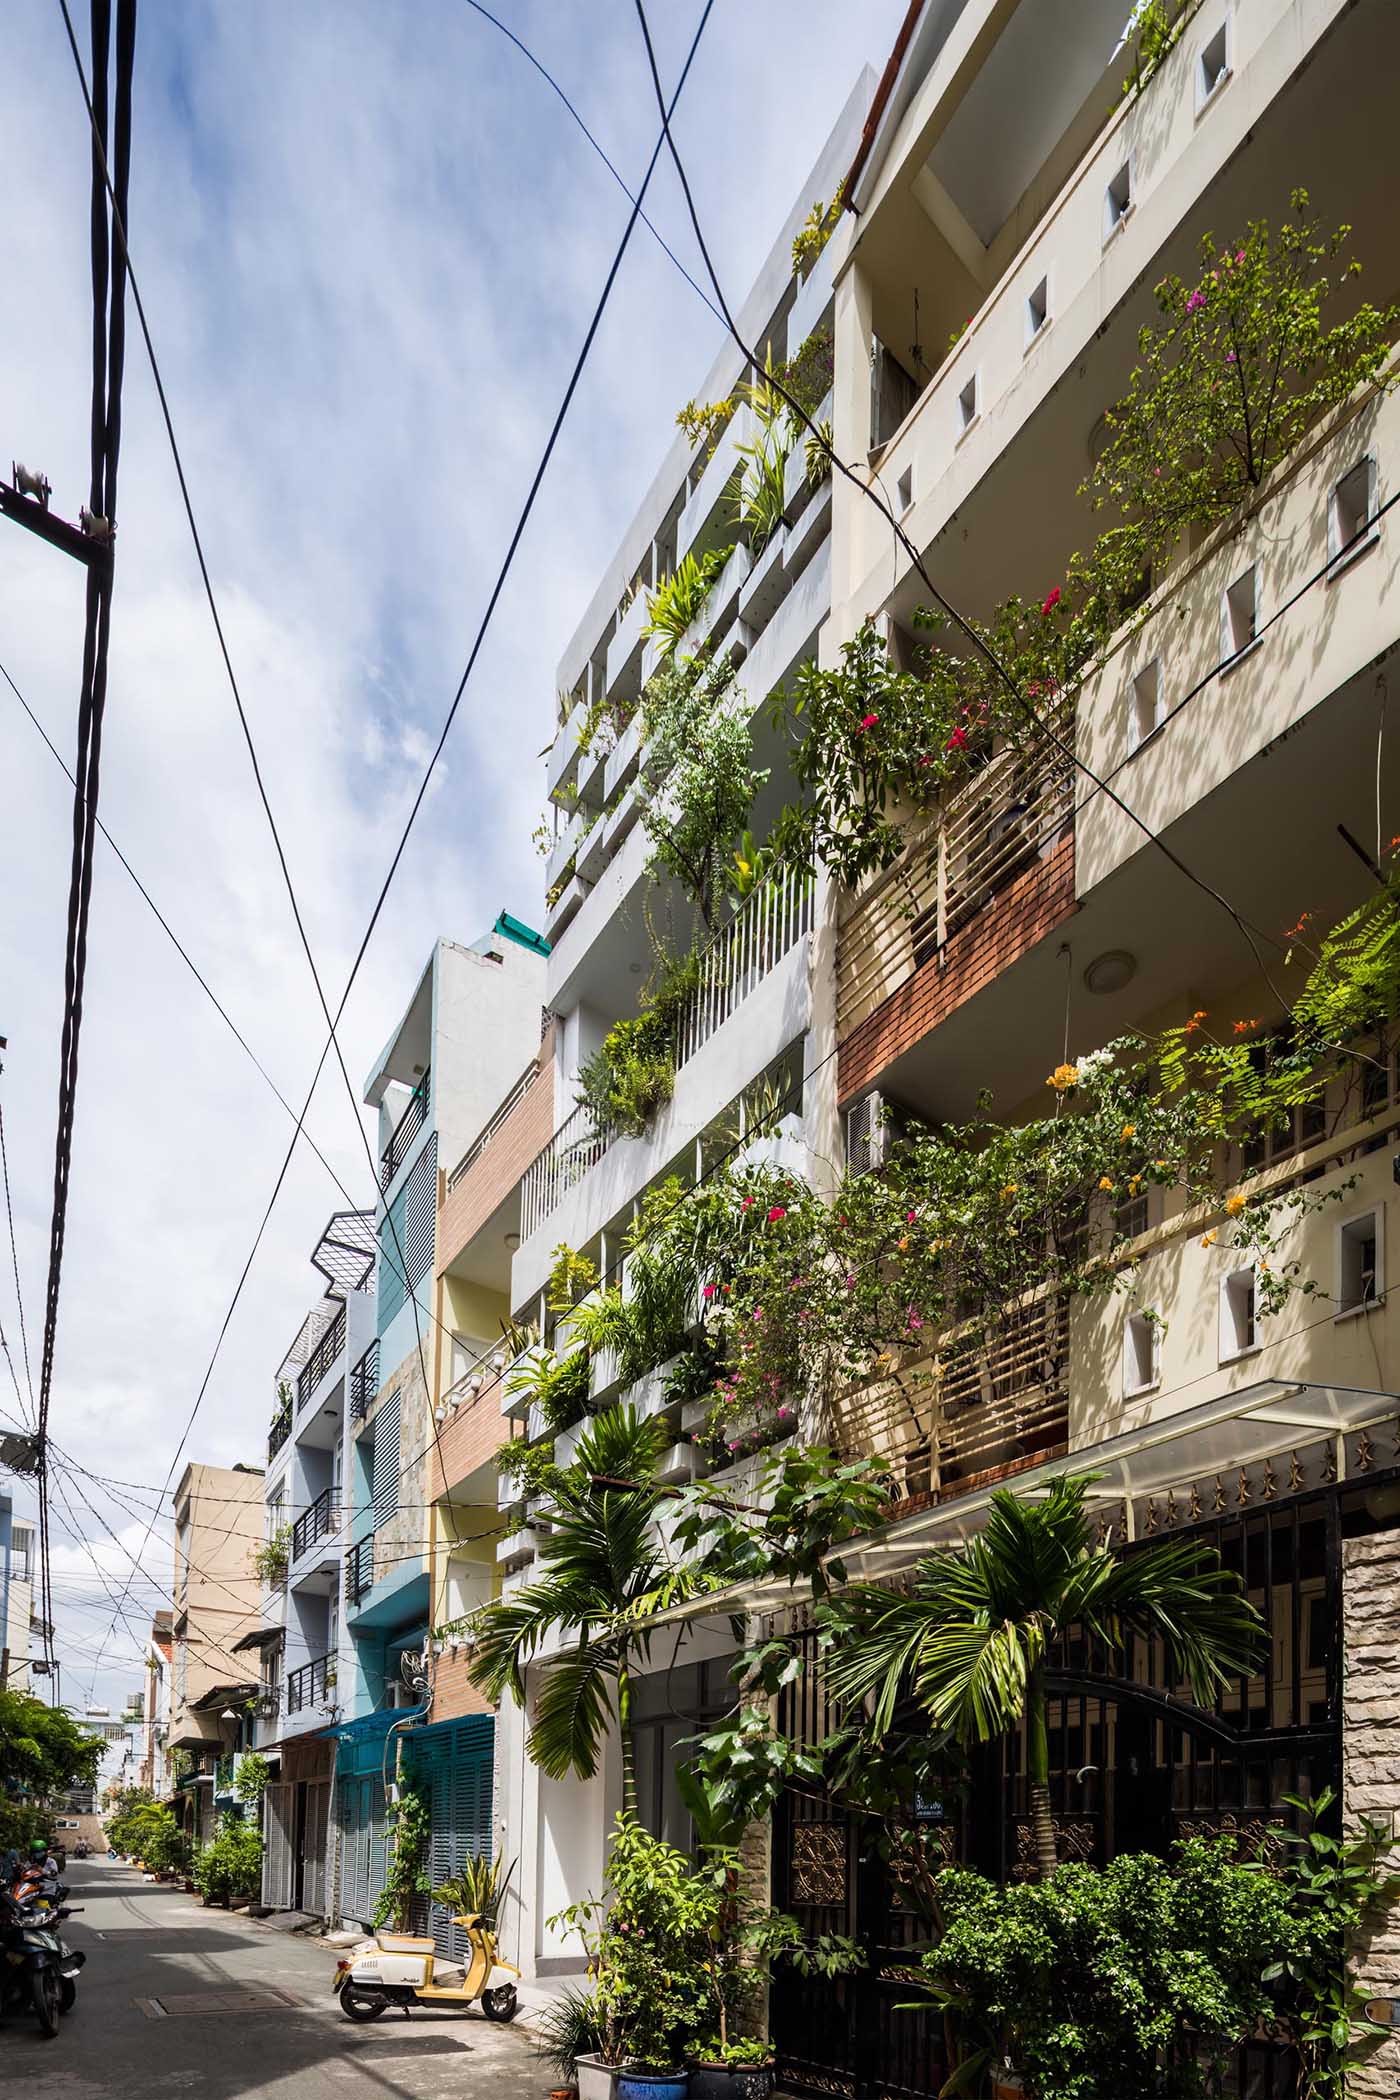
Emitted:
pixel 973 1409
pixel 1002 822
pixel 405 1130
pixel 359 1569
pixel 320 1521
pixel 740 956
pixel 364 1382
pixel 311 1684
pixel 321 1358
pixel 281 1429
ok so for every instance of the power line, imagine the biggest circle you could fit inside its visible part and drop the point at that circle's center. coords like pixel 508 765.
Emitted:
pixel 14 1263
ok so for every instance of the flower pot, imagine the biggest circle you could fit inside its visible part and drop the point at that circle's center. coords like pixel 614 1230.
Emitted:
pixel 752 2081
pixel 596 2080
pixel 711 2082
pixel 636 2083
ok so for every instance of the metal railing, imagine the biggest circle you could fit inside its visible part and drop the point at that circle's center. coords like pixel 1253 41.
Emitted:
pixel 359 1569
pixel 741 954
pixel 322 1357
pixel 310 1684
pixel 739 957
pixel 497 1123
pixel 364 1382
pixel 1004 820
pixel 317 1522
pixel 281 1429
pixel 405 1130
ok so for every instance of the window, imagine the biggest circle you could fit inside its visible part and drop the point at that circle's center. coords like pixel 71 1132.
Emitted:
pixel 904 488
pixel 1139 1353
pixel 1137 1214
pixel 1212 66
pixel 1238 1331
pixel 967 405
pixel 1118 200
pixel 1037 310
pixel 1146 710
pixel 1351 512
pixel 1239 614
pixel 1360 1282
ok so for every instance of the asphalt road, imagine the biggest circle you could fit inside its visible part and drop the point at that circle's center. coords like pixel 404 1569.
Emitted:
pixel 134 2033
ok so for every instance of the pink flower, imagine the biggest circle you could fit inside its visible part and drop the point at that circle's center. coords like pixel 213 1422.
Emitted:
pixel 775 1213
pixel 1052 599
pixel 868 721
pixel 927 759
pixel 909 1216
pixel 747 1203
pixel 956 741
pixel 1239 255
pixel 709 1291
pixel 1196 300
pixel 784 1413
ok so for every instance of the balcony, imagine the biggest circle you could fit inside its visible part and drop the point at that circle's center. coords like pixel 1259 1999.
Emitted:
pixel 364 1382
pixel 754 971
pixel 359 1569
pixel 312 1685
pixel 320 1521
pixel 322 1359
pixel 1005 823
pixel 281 1429
pixel 406 1129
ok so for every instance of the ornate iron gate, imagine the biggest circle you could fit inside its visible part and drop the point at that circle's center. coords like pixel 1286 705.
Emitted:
pixel 1127 1774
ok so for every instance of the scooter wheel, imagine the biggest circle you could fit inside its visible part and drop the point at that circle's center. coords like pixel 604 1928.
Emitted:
pixel 501 2004
pixel 362 2005
pixel 67 1994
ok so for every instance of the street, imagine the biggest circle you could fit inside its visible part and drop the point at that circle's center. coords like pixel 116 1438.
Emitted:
pixel 178 1999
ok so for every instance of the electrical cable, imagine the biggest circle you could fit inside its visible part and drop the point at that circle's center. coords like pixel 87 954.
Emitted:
pixel 482 629
pixel 14 1263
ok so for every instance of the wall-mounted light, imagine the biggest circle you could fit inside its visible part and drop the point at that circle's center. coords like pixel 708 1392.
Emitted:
pixel 1110 972
pixel 512 1241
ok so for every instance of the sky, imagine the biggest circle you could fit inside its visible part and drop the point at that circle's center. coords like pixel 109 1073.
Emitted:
pixel 369 240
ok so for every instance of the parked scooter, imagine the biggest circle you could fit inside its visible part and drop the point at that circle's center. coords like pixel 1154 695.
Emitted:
pixel 397 1968
pixel 37 1970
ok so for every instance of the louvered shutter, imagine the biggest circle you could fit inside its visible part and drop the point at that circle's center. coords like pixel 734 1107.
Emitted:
pixel 313 1886
pixel 454 1768
pixel 388 1460
pixel 406 1236
pixel 279 1821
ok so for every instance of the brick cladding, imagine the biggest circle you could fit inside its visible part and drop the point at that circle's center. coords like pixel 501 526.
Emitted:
pixel 519 1141
pixel 454 1694
pixel 1022 915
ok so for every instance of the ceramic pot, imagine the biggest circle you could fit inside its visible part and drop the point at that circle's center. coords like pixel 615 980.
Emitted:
pixel 634 2083
pixel 711 2082
pixel 753 2081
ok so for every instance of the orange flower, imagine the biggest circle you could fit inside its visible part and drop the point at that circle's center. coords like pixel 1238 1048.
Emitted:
pixel 1104 1182
pixel 1063 1077
pixel 903 1244
pixel 1200 1013
pixel 1291 933
pixel 1207 1239
pixel 1134 1184
pixel 1009 1191
pixel 1159 1164
pixel 1128 1130
pixel 1234 1204
pixel 1243 1027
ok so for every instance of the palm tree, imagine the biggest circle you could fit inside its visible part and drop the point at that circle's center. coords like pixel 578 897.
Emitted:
pixel 606 1570
pixel 970 1638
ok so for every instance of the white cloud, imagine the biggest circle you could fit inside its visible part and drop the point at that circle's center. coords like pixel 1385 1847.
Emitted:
pixel 368 241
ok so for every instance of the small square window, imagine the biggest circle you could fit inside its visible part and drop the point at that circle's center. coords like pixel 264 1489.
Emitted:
pixel 1037 310
pixel 1360 1281
pixel 967 405
pixel 1239 614
pixel 1139 1353
pixel 1238 1327
pixel 1146 707
pixel 904 488
pixel 1213 66
pixel 1118 199
pixel 1351 511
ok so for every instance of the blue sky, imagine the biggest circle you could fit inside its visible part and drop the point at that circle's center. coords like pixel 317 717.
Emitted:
pixel 369 239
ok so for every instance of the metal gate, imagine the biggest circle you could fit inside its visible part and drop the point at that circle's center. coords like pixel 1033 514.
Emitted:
pixel 363 1838
pixel 279 1850
pixel 315 1815
pixel 1125 1776
pixel 452 1762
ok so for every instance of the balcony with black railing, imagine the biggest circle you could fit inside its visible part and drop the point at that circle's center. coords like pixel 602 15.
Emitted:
pixel 311 1685
pixel 321 1520
pixel 322 1359
pixel 405 1130
pixel 359 1569
pixel 281 1429
pixel 364 1382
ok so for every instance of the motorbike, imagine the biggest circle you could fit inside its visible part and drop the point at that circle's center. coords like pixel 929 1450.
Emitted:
pixel 37 1970
pixel 81 1849
pixel 398 1968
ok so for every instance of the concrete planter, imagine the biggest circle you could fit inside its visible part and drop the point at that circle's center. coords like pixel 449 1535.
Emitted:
pixel 596 2080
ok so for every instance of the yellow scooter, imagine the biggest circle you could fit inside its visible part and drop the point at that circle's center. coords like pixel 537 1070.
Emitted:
pixel 397 1968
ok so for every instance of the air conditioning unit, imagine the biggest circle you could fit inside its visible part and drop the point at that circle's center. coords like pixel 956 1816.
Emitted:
pixel 867 1134
pixel 398 1694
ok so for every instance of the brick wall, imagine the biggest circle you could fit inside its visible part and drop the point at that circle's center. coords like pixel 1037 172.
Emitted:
pixel 454 1694
pixel 1371 1760
pixel 1023 914
pixel 490 1179
pixel 473 1432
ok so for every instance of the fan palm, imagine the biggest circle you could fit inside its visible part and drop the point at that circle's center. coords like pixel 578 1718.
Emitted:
pixel 970 1639
pixel 606 1571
